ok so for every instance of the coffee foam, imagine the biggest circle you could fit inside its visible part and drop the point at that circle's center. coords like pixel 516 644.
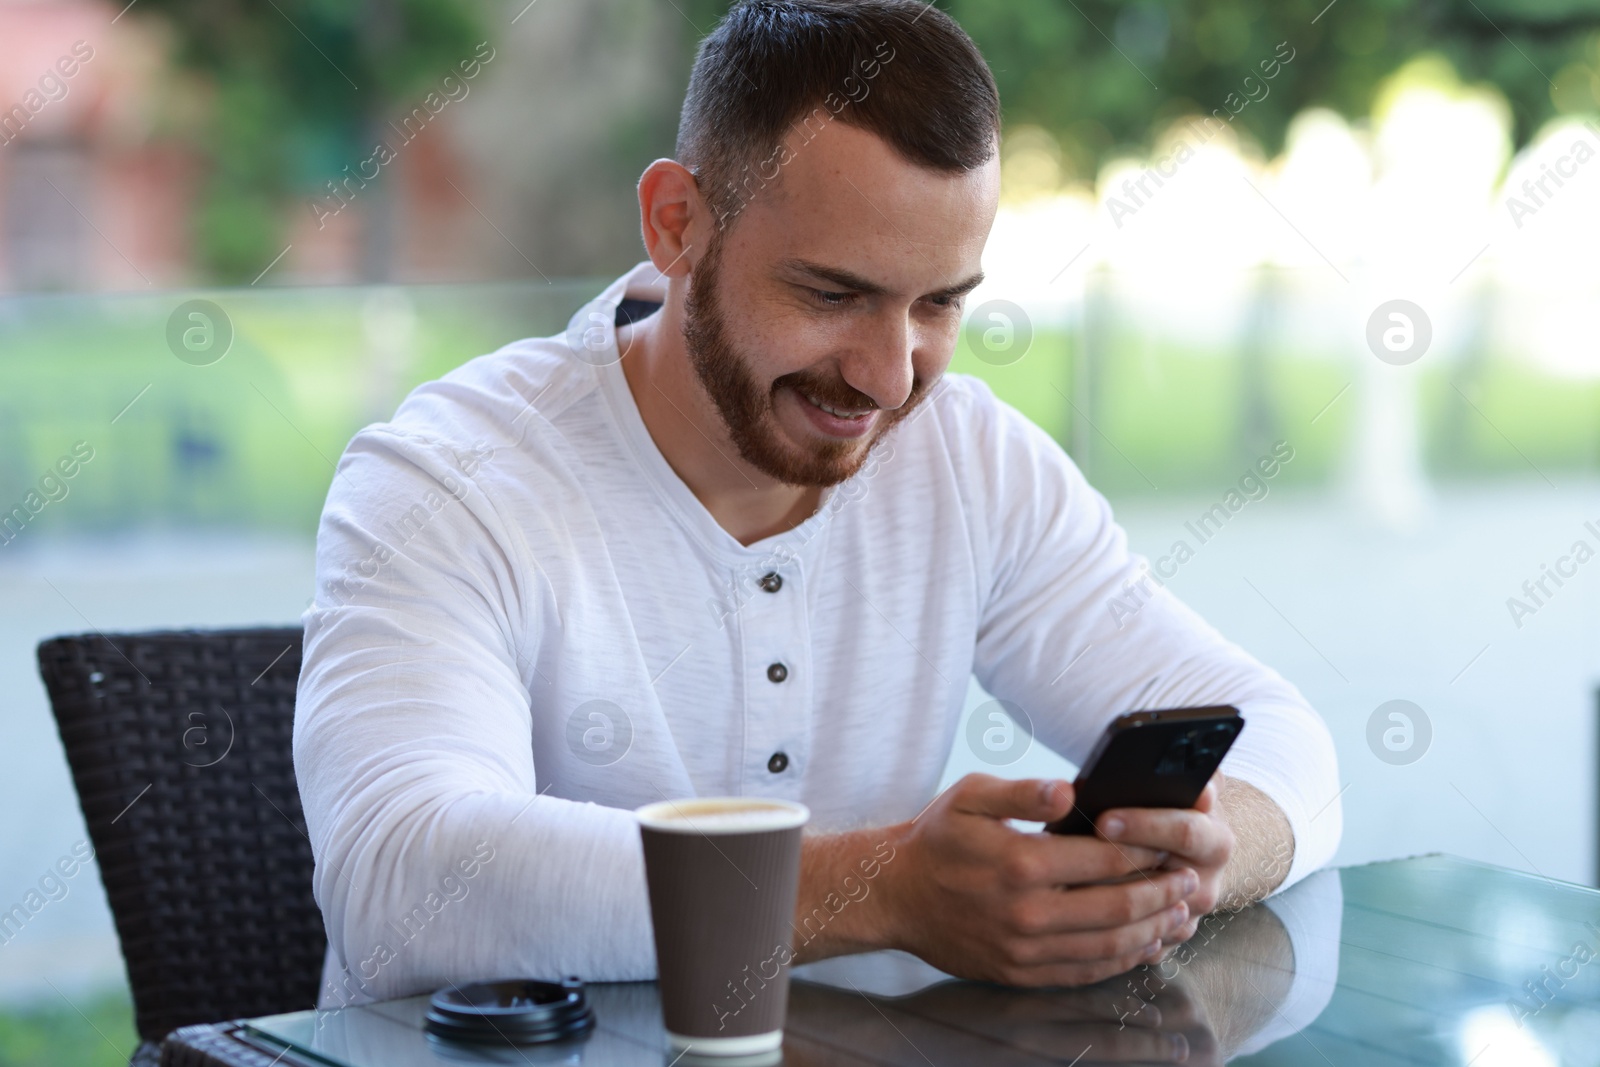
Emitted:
pixel 723 815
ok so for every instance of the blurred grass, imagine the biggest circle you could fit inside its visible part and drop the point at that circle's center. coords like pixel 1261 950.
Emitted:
pixel 1165 416
pixel 1505 418
pixel 52 1033
pixel 251 440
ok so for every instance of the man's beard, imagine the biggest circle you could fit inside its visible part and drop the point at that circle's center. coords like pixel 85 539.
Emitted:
pixel 748 412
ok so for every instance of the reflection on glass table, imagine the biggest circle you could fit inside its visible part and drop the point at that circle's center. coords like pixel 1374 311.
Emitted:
pixel 1425 961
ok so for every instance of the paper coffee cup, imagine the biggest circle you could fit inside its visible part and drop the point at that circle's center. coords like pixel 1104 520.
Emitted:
pixel 723 874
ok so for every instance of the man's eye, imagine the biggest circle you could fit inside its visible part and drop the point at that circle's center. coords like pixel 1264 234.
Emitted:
pixel 832 300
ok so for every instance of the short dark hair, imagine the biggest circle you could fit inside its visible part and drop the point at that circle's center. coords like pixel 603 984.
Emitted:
pixel 901 69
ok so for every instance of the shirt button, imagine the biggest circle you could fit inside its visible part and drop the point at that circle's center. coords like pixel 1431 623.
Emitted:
pixel 772 582
pixel 777 672
pixel 777 763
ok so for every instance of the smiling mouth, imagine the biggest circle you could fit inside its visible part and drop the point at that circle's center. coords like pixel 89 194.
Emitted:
pixel 837 412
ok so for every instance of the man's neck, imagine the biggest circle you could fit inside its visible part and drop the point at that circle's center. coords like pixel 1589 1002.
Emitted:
pixel 691 436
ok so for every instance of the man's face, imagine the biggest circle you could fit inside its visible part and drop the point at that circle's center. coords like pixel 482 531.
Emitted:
pixel 830 306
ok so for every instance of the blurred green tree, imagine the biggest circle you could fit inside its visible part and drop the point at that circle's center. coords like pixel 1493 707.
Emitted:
pixel 1100 75
pixel 299 90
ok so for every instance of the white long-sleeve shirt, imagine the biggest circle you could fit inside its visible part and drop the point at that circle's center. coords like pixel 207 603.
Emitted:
pixel 526 625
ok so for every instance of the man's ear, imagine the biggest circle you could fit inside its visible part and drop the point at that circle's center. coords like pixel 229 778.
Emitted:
pixel 675 219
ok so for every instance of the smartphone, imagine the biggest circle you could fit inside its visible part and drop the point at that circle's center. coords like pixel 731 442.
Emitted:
pixel 1151 759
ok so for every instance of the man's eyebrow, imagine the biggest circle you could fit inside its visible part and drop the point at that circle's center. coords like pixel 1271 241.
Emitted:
pixel 846 279
pixel 962 287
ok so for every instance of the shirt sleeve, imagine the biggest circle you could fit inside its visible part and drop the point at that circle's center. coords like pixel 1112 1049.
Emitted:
pixel 436 857
pixel 1074 632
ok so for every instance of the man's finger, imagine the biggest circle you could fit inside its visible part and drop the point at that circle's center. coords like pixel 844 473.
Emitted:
pixel 1070 859
pixel 1182 933
pixel 1142 938
pixel 1099 909
pixel 1184 832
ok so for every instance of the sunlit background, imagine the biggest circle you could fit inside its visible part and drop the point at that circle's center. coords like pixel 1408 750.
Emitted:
pixel 1209 211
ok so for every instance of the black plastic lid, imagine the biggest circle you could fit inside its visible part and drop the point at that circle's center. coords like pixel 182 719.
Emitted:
pixel 514 1011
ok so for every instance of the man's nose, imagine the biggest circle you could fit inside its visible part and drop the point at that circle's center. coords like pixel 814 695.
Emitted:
pixel 880 364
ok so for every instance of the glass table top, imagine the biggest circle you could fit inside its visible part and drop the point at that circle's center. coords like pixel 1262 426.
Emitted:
pixel 1425 961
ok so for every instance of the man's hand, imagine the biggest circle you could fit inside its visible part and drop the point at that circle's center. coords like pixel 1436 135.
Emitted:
pixel 978 898
pixel 1235 837
pixel 1197 838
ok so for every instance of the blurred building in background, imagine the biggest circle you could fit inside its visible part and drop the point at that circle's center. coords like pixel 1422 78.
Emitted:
pixel 524 171
pixel 85 182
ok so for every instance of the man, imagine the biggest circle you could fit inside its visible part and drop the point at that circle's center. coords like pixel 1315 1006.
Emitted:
pixel 755 542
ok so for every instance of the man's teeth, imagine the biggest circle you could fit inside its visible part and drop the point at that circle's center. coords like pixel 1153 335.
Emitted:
pixel 836 412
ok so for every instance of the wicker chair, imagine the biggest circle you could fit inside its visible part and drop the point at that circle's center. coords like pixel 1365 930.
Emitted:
pixel 179 744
